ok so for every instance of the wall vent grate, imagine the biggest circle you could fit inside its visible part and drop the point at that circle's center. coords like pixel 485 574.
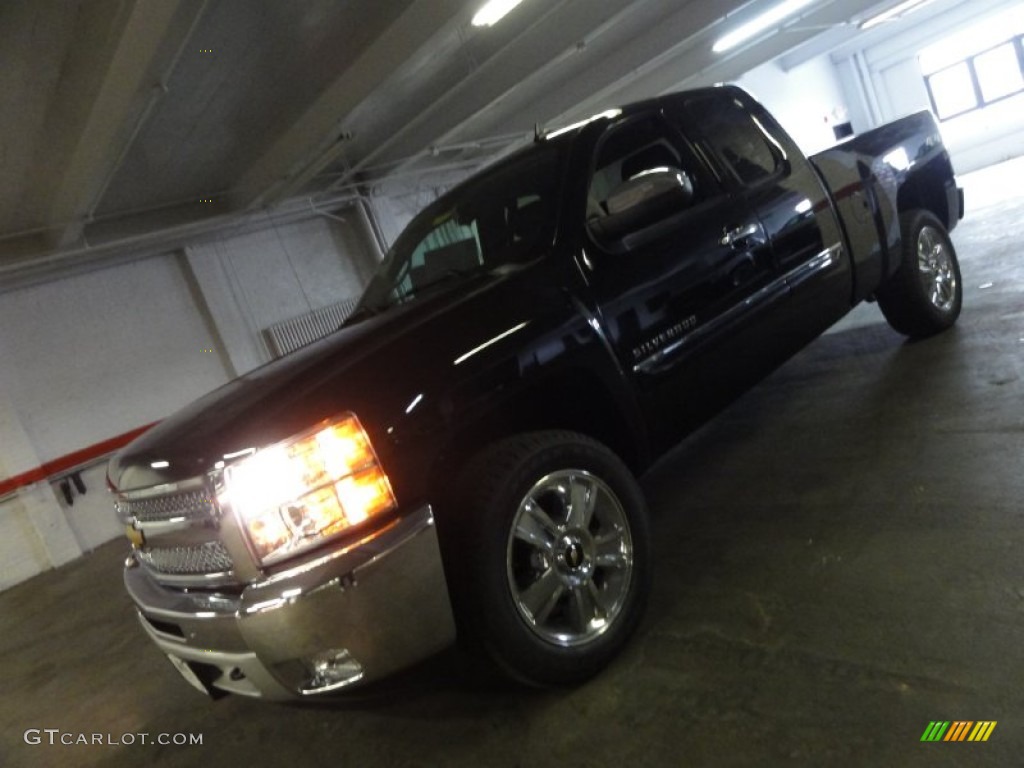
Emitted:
pixel 289 335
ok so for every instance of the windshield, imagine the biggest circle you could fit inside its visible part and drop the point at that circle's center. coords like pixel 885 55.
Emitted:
pixel 504 217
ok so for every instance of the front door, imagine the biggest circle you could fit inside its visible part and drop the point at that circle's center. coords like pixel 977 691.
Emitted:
pixel 671 292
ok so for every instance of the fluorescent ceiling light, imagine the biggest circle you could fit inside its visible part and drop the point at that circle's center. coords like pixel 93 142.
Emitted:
pixel 766 20
pixel 493 12
pixel 895 12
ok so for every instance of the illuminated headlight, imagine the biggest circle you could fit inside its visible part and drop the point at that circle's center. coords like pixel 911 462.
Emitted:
pixel 295 495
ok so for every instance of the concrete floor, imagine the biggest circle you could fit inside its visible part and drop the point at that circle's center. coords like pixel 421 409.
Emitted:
pixel 838 564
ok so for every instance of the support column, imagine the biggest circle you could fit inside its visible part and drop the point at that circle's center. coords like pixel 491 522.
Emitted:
pixel 34 533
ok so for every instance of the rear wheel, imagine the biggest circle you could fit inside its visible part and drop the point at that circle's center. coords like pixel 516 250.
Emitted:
pixel 556 552
pixel 925 294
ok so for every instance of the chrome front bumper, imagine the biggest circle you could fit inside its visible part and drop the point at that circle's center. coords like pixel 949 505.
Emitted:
pixel 346 618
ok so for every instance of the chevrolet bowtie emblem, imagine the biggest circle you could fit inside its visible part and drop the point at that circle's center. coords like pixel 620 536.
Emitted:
pixel 134 536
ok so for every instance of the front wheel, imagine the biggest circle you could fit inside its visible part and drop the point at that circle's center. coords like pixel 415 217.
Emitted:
pixel 557 554
pixel 925 294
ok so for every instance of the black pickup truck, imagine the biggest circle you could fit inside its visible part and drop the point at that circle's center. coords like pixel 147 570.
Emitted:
pixel 459 458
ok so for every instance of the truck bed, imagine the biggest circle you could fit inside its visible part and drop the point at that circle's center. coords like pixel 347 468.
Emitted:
pixel 873 176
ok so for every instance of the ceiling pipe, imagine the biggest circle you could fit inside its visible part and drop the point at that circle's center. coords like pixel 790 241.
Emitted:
pixel 500 145
pixel 369 219
pixel 156 93
pixel 413 172
pixel 341 196
pixel 362 205
pixel 363 163
pixel 36 268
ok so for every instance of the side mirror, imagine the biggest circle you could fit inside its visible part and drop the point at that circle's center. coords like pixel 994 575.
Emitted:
pixel 643 200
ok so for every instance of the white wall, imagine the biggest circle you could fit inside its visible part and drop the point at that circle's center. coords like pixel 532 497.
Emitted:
pixel 40 530
pixel 805 100
pixel 97 354
pixel 987 136
pixel 84 359
pixel 882 80
pixel 92 356
pixel 255 280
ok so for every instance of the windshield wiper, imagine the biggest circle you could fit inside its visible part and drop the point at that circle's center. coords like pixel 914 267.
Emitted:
pixel 359 314
pixel 447 276
pixel 366 311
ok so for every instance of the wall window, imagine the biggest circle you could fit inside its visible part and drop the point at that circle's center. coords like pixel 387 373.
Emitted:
pixel 977 80
pixel 999 71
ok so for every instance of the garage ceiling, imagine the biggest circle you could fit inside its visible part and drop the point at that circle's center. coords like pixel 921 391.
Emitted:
pixel 135 125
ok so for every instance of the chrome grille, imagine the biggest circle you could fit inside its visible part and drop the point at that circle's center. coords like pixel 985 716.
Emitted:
pixel 190 505
pixel 209 557
pixel 178 533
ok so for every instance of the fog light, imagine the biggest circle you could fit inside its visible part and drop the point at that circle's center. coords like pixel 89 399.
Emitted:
pixel 334 668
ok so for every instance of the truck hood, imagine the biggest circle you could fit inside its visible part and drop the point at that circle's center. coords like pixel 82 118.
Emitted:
pixel 361 369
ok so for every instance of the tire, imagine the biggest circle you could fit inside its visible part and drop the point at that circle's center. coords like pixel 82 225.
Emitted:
pixel 925 294
pixel 554 556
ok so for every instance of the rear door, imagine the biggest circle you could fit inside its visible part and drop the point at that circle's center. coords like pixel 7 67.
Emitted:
pixel 670 293
pixel 761 166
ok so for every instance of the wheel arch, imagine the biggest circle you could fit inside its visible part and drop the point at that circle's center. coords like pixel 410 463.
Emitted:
pixel 575 400
pixel 926 189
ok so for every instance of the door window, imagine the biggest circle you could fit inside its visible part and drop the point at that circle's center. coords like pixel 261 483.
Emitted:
pixel 738 138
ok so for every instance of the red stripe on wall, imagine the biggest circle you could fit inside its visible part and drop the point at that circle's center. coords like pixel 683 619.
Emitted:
pixel 69 461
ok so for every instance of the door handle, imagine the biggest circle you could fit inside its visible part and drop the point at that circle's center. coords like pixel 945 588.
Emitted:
pixel 734 237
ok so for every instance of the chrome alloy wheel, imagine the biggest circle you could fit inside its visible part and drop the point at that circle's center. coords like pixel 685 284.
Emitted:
pixel 936 269
pixel 569 558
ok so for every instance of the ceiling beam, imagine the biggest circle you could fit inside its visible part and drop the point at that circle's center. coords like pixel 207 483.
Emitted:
pixel 111 79
pixel 33 38
pixel 316 138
